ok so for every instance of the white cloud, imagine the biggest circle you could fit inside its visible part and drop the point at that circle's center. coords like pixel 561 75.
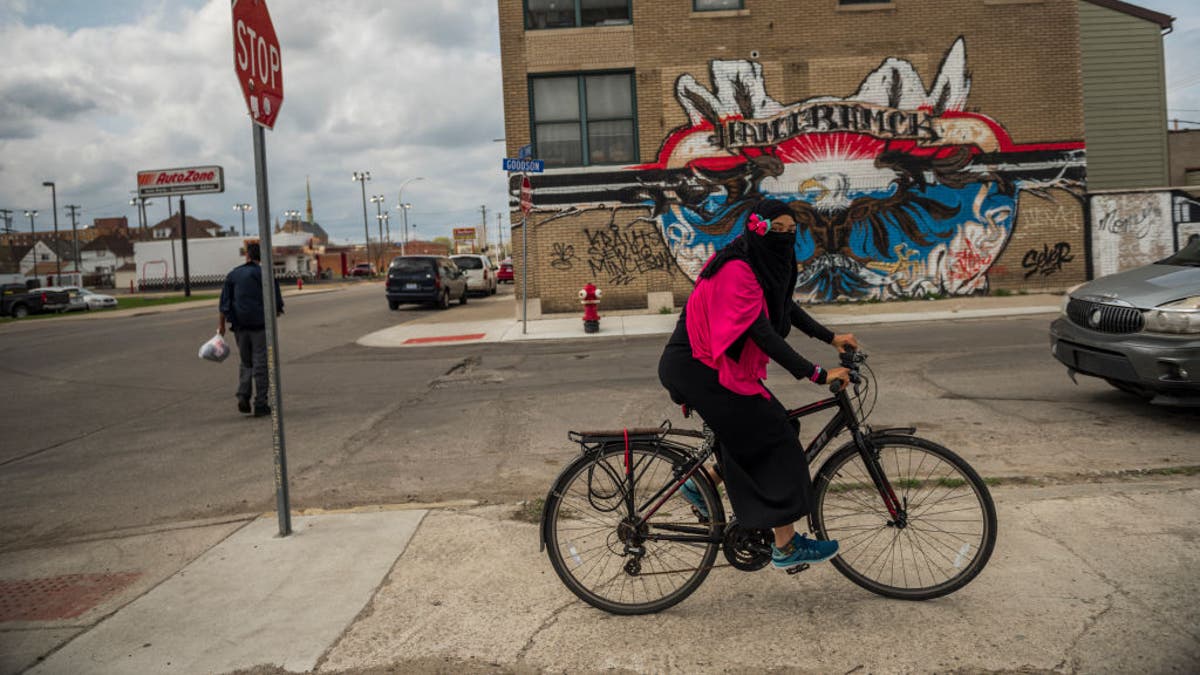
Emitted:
pixel 399 89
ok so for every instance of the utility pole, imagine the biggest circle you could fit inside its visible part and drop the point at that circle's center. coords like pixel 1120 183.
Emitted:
pixel 500 234
pixel 74 209
pixel 483 219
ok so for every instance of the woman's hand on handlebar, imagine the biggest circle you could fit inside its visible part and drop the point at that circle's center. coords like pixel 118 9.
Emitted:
pixel 843 340
pixel 842 374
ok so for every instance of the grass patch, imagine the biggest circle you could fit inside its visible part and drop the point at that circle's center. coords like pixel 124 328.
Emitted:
pixel 529 511
pixel 1002 292
pixel 123 303
pixel 666 310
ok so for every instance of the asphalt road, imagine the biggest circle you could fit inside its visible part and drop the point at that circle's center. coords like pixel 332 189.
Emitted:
pixel 113 423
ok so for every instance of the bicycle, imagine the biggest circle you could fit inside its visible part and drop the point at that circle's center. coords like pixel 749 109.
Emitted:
pixel 913 519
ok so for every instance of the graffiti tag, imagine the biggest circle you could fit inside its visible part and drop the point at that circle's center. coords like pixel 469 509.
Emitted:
pixel 562 256
pixel 969 263
pixel 1137 223
pixel 1048 260
pixel 619 255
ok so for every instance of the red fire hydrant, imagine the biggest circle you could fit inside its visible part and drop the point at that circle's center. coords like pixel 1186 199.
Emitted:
pixel 589 297
pixel 299 283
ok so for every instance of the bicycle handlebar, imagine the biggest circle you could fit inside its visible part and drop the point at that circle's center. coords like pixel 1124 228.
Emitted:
pixel 849 359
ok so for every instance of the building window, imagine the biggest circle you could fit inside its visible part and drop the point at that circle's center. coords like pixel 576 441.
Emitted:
pixel 716 5
pixel 579 120
pixel 575 13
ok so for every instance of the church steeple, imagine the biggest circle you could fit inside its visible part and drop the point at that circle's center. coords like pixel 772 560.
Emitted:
pixel 308 201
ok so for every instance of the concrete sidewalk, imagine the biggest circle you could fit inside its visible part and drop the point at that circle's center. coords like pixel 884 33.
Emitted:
pixel 464 589
pixel 462 328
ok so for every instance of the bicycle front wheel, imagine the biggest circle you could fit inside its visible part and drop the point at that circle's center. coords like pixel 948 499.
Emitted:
pixel 941 538
pixel 600 553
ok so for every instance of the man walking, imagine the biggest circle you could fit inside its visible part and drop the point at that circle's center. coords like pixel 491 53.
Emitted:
pixel 242 305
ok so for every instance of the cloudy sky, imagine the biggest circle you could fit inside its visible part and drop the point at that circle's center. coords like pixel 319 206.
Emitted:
pixel 91 92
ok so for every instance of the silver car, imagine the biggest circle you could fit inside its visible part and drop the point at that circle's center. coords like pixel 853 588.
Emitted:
pixel 480 271
pixel 1139 330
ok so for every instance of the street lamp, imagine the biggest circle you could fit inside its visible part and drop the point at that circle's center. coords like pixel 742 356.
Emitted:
pixel 362 177
pixel 290 215
pixel 401 205
pixel 54 203
pixel 383 219
pixel 31 215
pixel 404 212
pixel 135 200
pixel 243 208
pixel 377 200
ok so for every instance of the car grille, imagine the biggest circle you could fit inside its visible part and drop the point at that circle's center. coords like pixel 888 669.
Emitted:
pixel 1113 318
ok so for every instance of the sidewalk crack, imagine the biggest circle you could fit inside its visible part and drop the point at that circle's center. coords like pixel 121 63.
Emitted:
pixel 549 621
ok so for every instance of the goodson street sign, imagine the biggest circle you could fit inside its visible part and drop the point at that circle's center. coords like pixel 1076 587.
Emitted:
pixel 187 181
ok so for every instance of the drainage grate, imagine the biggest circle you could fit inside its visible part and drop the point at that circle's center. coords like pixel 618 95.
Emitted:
pixel 56 598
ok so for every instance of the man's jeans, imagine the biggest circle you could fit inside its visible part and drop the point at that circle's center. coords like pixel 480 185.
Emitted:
pixel 252 348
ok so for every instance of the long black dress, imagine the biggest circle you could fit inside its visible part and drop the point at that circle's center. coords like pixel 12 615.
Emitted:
pixel 762 460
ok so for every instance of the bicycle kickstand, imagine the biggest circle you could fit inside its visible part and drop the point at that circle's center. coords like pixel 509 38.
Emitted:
pixel 797 569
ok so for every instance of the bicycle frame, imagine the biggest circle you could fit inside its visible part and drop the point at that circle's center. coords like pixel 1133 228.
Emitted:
pixel 844 418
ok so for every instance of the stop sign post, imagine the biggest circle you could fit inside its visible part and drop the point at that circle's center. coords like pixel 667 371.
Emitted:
pixel 259 67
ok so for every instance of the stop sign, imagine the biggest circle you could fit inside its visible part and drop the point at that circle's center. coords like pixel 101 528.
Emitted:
pixel 526 195
pixel 256 60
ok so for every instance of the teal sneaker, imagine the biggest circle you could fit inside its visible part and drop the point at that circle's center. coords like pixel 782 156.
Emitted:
pixel 691 492
pixel 804 551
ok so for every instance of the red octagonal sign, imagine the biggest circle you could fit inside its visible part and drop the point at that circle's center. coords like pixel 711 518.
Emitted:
pixel 256 60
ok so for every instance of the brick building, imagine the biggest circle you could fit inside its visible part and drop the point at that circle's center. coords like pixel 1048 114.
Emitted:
pixel 927 147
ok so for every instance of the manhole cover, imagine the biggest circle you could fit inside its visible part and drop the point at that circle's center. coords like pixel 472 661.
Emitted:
pixel 56 598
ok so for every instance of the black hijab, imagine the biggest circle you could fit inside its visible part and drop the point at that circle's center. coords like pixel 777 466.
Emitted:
pixel 772 258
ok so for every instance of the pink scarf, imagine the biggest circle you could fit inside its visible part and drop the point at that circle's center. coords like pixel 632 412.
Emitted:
pixel 719 311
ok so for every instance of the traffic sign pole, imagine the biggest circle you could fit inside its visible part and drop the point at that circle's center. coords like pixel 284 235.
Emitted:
pixel 259 67
pixel 526 206
pixel 268 289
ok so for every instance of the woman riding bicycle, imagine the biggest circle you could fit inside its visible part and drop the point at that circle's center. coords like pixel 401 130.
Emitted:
pixel 736 320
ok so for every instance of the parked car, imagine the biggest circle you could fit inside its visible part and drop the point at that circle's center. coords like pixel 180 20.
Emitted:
pixel 505 274
pixel 90 299
pixel 1139 330
pixel 75 301
pixel 425 278
pixel 18 301
pixel 363 270
pixel 480 272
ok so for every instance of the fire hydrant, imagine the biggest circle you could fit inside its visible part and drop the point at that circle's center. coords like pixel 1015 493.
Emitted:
pixel 299 283
pixel 589 297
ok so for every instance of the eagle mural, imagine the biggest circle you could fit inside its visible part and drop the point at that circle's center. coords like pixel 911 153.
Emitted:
pixel 897 189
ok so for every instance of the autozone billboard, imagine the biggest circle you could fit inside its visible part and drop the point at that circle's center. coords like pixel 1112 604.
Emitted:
pixel 464 234
pixel 186 181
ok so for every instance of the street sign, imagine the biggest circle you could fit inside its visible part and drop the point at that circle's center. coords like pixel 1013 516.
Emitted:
pixel 464 234
pixel 525 165
pixel 186 181
pixel 526 152
pixel 526 195
pixel 256 60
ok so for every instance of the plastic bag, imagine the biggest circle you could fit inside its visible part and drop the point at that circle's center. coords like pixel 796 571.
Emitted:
pixel 216 349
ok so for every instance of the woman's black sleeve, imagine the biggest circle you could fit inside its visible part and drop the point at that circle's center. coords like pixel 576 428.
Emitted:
pixel 808 325
pixel 780 351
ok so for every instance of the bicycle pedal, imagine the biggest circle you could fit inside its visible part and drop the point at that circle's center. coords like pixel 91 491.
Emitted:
pixel 797 569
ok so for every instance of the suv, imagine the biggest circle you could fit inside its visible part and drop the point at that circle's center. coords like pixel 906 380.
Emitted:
pixel 480 271
pixel 425 278
pixel 1139 330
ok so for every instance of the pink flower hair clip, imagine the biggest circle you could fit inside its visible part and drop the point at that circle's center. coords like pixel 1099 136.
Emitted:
pixel 758 225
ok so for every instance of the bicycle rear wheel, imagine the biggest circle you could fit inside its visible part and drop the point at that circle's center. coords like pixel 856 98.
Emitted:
pixel 943 536
pixel 587 527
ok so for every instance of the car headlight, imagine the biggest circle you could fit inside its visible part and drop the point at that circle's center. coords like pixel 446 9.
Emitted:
pixel 1181 317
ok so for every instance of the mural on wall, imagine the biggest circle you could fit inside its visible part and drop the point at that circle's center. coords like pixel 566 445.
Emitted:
pixel 897 188
pixel 1131 229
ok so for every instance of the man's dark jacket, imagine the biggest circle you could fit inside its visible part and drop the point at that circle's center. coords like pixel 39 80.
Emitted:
pixel 242 298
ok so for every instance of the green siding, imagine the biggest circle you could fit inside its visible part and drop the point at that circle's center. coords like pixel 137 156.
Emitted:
pixel 1124 100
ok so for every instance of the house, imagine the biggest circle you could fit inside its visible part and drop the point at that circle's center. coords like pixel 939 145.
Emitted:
pixel 196 229
pixel 105 254
pixel 930 147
